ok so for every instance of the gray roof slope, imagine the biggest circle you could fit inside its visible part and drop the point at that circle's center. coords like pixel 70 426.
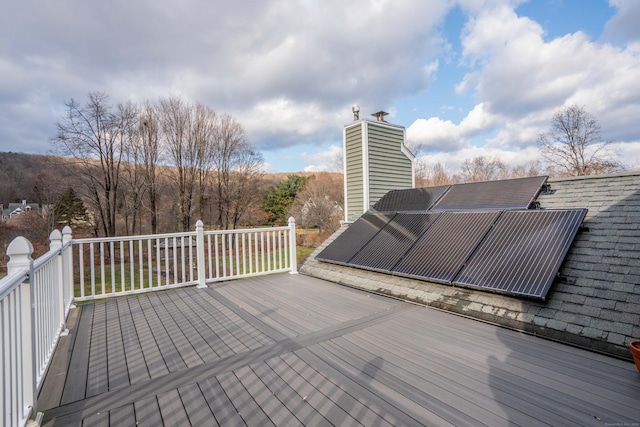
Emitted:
pixel 596 301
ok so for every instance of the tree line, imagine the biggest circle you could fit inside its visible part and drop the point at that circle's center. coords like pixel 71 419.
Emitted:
pixel 125 154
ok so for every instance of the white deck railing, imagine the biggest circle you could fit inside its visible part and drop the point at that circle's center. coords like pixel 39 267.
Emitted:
pixel 36 296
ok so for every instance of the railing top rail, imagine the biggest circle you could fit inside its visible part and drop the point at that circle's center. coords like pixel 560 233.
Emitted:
pixel 12 281
pixel 247 230
pixel 137 237
pixel 45 258
pixel 181 234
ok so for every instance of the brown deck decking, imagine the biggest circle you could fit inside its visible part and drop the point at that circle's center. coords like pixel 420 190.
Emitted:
pixel 294 350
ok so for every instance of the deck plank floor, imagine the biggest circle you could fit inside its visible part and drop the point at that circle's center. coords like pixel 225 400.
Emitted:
pixel 295 350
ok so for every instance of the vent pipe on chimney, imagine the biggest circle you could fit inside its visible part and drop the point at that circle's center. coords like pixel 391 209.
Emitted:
pixel 380 115
pixel 356 112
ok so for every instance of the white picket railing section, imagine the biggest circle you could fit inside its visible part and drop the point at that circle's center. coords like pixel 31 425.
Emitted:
pixel 36 296
pixel 114 266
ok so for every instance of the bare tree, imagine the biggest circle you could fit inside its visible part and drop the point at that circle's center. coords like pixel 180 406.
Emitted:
pixel 574 144
pixel 237 167
pixel 149 132
pixel 133 180
pixel 432 175
pixel 531 168
pixel 188 137
pixel 319 204
pixel 483 168
pixel 94 135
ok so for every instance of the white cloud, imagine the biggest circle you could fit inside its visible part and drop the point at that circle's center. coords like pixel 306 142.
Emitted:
pixel 624 24
pixel 520 79
pixel 324 161
pixel 435 134
pixel 453 160
pixel 268 62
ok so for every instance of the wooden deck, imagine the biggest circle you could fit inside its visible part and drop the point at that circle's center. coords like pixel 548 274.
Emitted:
pixel 294 350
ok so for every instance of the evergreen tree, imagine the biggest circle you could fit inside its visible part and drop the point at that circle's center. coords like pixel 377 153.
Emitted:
pixel 69 207
pixel 279 198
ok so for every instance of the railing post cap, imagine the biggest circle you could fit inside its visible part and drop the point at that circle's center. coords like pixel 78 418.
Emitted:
pixel 292 220
pixel 55 239
pixel 199 224
pixel 66 233
pixel 19 252
pixel 20 246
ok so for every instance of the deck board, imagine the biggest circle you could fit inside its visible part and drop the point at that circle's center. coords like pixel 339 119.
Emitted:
pixel 196 406
pixel 135 363
pixel 295 350
pixel 76 382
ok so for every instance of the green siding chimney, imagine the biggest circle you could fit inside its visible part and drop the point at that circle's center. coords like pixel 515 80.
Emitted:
pixel 376 161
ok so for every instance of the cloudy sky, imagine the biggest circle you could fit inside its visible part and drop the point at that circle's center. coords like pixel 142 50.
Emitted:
pixel 465 77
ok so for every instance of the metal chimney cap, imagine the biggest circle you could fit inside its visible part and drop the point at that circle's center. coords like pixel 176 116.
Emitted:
pixel 380 115
pixel 356 112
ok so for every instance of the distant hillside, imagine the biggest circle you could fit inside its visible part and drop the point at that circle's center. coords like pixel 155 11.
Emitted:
pixel 34 177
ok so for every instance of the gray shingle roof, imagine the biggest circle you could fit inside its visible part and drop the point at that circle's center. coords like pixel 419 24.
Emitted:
pixel 596 301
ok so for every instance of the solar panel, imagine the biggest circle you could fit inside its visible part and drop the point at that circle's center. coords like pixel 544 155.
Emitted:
pixel 441 252
pixel 385 249
pixel 346 245
pixel 415 199
pixel 505 194
pixel 523 252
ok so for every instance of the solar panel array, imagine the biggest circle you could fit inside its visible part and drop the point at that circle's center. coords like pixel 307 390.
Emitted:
pixel 508 250
pixel 439 254
pixel 414 199
pixel 355 237
pixel 523 252
pixel 504 194
pixel 394 239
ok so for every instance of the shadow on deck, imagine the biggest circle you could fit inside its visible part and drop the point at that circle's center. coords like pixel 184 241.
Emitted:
pixel 295 350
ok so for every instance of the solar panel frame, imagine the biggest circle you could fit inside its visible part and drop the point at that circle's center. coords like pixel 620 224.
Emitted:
pixel 523 252
pixel 414 199
pixel 506 194
pixel 438 255
pixel 384 250
pixel 358 234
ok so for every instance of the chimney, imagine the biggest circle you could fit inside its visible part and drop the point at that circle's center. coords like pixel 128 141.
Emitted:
pixel 380 115
pixel 356 112
pixel 375 160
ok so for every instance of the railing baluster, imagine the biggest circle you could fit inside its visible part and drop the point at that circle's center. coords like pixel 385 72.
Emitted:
pixel 123 275
pixel 262 254
pixel 102 270
pixel 150 263
pixel 92 269
pixel 244 255
pixel 174 256
pixel 112 264
pixel 141 265
pixel 249 251
pixel 224 257
pixel 209 254
pixel 217 257
pixel 132 266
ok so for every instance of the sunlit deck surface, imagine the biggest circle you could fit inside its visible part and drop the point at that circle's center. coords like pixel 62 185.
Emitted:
pixel 294 350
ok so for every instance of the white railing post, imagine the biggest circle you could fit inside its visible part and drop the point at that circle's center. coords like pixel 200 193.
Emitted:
pixel 19 252
pixel 202 273
pixel 292 246
pixel 55 244
pixel 67 268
